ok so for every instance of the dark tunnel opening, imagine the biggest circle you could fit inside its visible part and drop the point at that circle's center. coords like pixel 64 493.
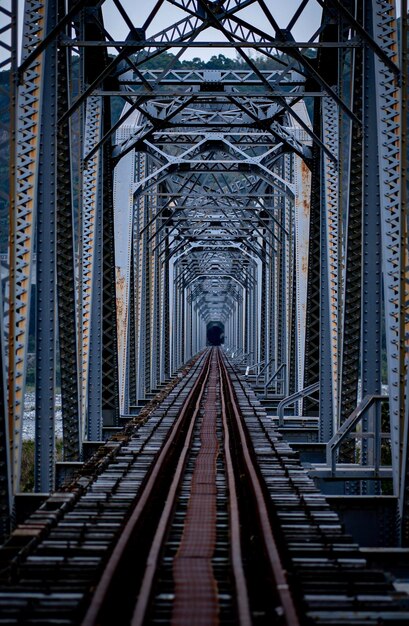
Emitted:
pixel 215 334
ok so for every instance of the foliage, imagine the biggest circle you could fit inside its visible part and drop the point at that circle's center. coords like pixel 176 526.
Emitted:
pixel 27 463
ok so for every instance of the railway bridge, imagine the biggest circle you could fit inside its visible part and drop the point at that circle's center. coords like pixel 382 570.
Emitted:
pixel 207 259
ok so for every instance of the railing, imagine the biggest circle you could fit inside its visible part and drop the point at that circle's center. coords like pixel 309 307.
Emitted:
pixel 281 380
pixel 368 408
pixel 264 368
pixel 303 393
pixel 255 366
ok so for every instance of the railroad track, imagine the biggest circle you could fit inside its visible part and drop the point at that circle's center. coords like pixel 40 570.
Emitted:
pixel 204 516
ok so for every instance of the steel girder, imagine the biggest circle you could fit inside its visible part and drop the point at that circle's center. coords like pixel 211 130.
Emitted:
pixel 90 285
pixel 66 288
pixel 22 229
pixel 393 227
pixel 8 124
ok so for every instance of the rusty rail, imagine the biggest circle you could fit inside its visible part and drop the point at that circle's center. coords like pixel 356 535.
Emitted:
pixel 290 616
pixel 103 588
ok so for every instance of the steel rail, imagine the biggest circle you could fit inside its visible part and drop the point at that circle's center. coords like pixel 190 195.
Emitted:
pixel 102 589
pixel 290 615
pixel 243 604
pixel 195 402
pixel 144 595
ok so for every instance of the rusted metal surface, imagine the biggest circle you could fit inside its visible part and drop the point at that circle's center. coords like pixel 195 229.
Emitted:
pixel 196 599
pixel 243 605
pixel 289 611
pixel 99 598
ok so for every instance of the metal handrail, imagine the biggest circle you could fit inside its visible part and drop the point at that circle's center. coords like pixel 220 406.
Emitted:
pixel 264 368
pixel 356 416
pixel 303 393
pixel 251 367
pixel 283 366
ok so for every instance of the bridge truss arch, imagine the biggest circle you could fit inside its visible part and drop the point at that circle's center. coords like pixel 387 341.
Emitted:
pixel 269 195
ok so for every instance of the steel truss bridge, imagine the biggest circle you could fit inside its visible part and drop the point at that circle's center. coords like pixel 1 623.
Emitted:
pixel 268 199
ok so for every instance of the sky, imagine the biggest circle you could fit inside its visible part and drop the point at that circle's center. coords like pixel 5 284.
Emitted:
pixel 168 14
pixel 138 10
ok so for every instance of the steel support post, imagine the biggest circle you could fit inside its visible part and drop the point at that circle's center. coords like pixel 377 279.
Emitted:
pixel 280 286
pixel 272 307
pixel 110 389
pixel 371 357
pixel 130 395
pixel 393 223
pixel 179 325
pixel 124 183
pixel 166 317
pixel 46 240
pixel 293 378
pixel 182 326
pixel 91 284
pixel 66 296
pixel 138 242
pixel 312 319
pixel 162 329
pixel 145 323
pixel 326 407
pixel 9 47
pixel 302 230
pixel 156 343
pixel 22 217
pixel 288 175
pixel 263 305
pixel 404 199
pixel 5 473
pixel 331 246
pixel 352 320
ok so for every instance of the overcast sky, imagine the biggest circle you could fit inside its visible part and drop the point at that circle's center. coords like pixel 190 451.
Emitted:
pixel 282 10
pixel 139 10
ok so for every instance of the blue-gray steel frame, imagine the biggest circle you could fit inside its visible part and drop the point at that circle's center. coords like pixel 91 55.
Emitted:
pixel 181 275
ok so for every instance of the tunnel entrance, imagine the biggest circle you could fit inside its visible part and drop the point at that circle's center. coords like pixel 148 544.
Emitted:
pixel 215 333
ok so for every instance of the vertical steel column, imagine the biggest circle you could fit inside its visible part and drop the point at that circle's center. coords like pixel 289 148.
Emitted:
pixel 131 374
pixel 293 378
pixel 110 388
pixel 91 284
pixel 124 184
pixel 371 358
pixel 182 320
pixel 351 341
pixel 393 224
pixel 155 370
pixel 404 496
pixel 273 300
pixel 166 315
pixel 5 474
pixel 10 12
pixel 46 235
pixel 67 314
pixel 22 214
pixel 263 305
pixel 281 287
pixel 288 175
pixel 331 245
pixel 146 322
pixel 326 407
pixel 312 320
pixel 138 243
pixel 302 176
